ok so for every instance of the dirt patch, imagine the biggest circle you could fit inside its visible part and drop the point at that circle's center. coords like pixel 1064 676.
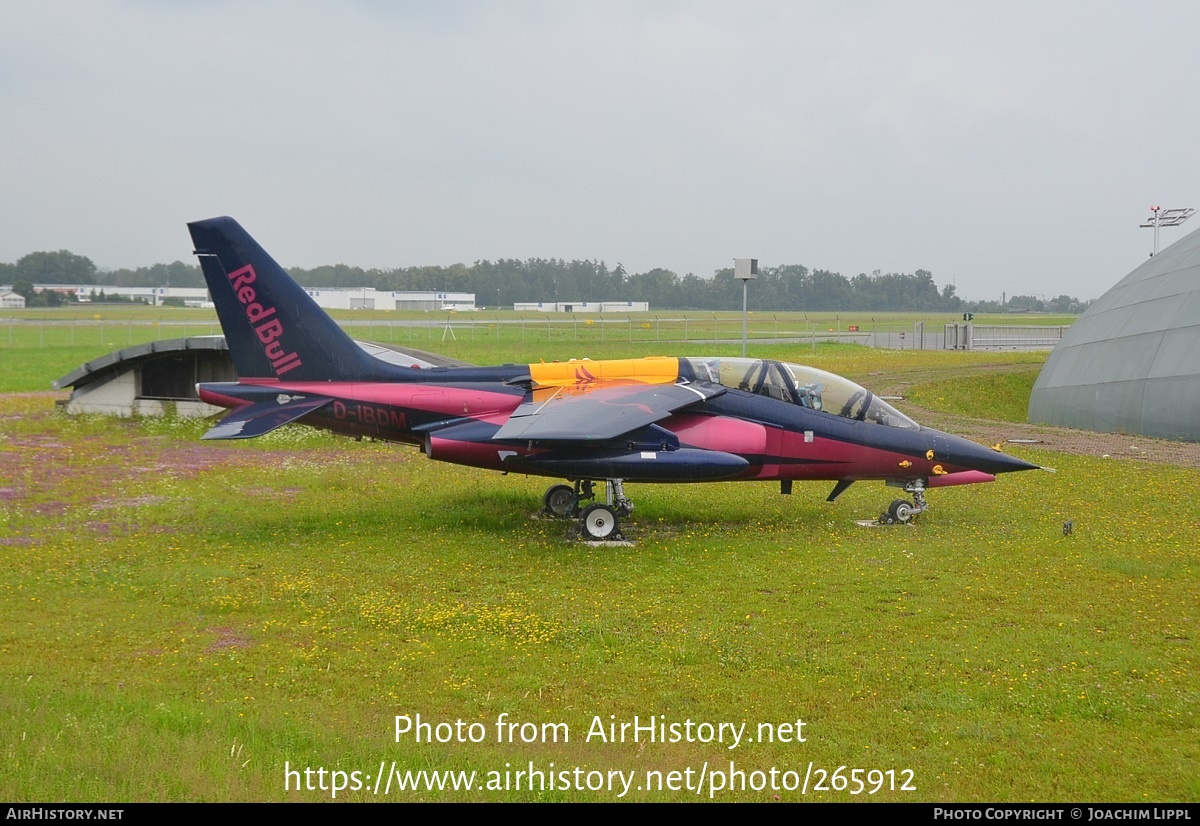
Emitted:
pixel 226 640
pixel 54 473
pixel 55 508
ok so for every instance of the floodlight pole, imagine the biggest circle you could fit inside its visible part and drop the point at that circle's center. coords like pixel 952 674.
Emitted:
pixel 745 269
pixel 745 317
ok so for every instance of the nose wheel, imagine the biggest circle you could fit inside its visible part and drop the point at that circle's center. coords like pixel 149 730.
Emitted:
pixel 902 511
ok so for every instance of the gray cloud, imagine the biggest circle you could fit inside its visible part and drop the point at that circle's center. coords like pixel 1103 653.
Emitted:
pixel 1008 146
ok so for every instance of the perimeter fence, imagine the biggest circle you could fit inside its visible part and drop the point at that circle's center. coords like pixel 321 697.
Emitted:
pixel 935 334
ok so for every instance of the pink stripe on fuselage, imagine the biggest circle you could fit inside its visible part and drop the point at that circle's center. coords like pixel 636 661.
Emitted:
pixel 770 448
pixel 452 401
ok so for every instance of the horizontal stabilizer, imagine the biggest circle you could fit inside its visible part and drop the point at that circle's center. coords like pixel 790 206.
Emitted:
pixel 257 419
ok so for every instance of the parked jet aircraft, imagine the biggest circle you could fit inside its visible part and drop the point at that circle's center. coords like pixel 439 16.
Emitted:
pixel 641 420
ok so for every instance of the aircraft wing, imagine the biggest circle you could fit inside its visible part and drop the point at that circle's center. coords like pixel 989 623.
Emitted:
pixel 252 420
pixel 597 411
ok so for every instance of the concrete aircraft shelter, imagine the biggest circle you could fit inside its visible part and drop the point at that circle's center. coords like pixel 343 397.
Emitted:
pixel 150 379
pixel 1131 363
pixel 160 377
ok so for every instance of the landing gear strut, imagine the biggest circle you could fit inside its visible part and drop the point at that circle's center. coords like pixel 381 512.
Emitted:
pixel 901 511
pixel 598 521
pixel 615 489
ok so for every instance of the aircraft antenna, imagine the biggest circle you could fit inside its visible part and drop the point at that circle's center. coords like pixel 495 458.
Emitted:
pixel 1160 217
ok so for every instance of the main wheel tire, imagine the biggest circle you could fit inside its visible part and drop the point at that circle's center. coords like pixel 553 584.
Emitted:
pixel 560 501
pixel 599 522
pixel 902 510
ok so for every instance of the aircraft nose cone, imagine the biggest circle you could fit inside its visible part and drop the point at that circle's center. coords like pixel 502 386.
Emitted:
pixel 954 450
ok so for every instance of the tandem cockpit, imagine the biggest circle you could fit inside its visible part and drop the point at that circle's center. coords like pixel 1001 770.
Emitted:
pixel 797 384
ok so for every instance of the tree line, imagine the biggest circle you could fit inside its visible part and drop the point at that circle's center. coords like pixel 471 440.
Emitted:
pixel 502 283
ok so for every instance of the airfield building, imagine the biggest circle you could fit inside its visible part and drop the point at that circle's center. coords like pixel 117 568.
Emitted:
pixel 368 298
pixel 1131 363
pixel 189 296
pixel 329 298
pixel 583 307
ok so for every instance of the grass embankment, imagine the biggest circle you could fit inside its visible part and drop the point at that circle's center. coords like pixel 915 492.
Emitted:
pixel 998 392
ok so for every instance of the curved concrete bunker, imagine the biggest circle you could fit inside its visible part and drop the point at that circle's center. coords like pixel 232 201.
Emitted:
pixel 1131 363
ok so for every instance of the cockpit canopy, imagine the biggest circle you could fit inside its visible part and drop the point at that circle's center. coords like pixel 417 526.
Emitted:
pixel 799 385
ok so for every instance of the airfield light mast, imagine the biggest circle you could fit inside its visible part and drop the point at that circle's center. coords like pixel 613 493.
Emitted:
pixel 1160 217
pixel 745 269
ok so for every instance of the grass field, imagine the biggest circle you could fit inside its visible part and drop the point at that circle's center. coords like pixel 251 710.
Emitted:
pixel 190 621
pixel 40 345
pixel 764 320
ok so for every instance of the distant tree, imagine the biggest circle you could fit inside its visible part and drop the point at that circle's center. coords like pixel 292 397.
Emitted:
pixel 60 267
pixel 24 288
pixel 176 274
pixel 1065 304
pixel 658 287
pixel 338 275
pixel 1026 304
pixel 46 298
pixel 950 301
pixel 830 291
pixel 785 288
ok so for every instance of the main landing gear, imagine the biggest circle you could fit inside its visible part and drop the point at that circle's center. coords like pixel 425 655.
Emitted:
pixel 599 521
pixel 560 501
pixel 903 511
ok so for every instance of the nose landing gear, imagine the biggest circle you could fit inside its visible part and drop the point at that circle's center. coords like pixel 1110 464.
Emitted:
pixel 902 511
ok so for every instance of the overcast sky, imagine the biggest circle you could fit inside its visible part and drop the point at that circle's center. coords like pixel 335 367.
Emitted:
pixel 1004 146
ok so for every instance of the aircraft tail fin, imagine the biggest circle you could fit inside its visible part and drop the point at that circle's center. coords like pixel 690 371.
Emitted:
pixel 273 327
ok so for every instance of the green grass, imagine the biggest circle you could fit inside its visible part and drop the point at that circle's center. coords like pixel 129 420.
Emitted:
pixel 38 346
pixel 987 393
pixel 122 325
pixel 34 352
pixel 766 320
pixel 179 620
